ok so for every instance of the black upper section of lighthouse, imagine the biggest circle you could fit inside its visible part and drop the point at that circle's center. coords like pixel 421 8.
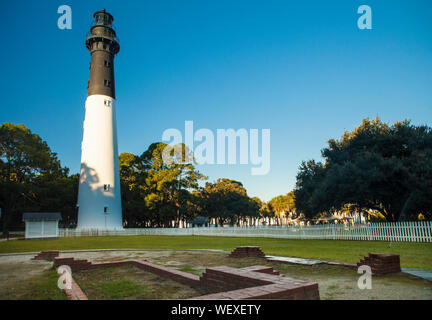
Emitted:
pixel 103 44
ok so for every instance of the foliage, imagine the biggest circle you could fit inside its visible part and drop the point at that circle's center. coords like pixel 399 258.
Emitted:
pixel 283 204
pixel 29 173
pixel 379 167
pixel 161 193
pixel 158 191
pixel 227 201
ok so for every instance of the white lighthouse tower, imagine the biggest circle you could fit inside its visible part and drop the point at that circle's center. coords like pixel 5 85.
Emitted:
pixel 99 198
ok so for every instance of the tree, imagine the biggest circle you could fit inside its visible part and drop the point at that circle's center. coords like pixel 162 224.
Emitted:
pixel 265 210
pixel 227 201
pixel 133 206
pixel 377 166
pixel 25 163
pixel 282 204
pixel 170 177
pixel 57 194
pixel 157 185
pixel 309 180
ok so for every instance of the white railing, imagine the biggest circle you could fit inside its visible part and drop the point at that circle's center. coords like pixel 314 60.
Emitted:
pixel 415 231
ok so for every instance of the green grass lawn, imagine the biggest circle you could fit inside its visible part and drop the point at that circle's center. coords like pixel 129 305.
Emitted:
pixel 39 287
pixel 413 255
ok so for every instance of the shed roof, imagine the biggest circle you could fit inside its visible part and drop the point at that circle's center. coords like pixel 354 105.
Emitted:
pixel 38 216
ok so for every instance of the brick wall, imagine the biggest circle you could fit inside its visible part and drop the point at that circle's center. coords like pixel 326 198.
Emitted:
pixel 381 263
pixel 46 255
pixel 247 251
pixel 256 282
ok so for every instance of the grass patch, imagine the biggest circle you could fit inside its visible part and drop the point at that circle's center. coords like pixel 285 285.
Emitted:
pixel 117 289
pixel 307 272
pixel 414 255
pixel 130 282
pixel 189 269
pixel 40 287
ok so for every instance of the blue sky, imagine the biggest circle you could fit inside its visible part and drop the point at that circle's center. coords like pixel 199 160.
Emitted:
pixel 300 68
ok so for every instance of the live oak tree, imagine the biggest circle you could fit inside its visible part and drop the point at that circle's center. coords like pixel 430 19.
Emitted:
pixel 309 179
pixel 227 201
pixel 377 166
pixel 27 167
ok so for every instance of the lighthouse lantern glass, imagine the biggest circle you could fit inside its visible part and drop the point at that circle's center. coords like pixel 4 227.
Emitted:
pixel 102 19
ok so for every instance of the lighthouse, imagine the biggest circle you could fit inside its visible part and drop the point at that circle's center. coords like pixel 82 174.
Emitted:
pixel 99 198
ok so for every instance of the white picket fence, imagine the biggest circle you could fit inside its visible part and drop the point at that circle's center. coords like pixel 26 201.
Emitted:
pixel 414 231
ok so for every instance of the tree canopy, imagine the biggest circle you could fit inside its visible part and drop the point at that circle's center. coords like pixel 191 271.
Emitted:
pixel 155 191
pixel 377 166
pixel 31 176
pixel 227 201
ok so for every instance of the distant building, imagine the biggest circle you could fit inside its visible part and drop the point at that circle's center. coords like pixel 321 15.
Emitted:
pixel 41 224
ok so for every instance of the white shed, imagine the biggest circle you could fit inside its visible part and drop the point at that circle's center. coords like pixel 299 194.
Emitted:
pixel 41 224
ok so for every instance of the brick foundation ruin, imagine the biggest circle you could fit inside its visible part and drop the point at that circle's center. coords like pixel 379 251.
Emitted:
pixel 381 263
pixel 247 252
pixel 46 255
pixel 255 282
pixel 223 283
pixel 81 264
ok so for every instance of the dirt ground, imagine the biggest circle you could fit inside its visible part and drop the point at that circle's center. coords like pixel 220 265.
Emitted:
pixel 335 283
pixel 20 267
pixel 24 279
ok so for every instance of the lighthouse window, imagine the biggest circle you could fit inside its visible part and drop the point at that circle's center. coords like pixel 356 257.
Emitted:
pixel 107 63
pixel 106 187
pixel 105 209
pixel 107 83
pixel 107 103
